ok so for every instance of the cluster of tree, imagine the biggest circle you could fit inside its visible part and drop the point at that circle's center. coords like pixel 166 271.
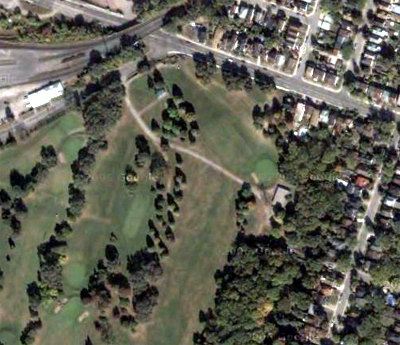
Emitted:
pixel 245 200
pixel 272 119
pixel 31 28
pixel 262 296
pixel 146 7
pixel 12 210
pixel 111 290
pixel 102 104
pixel 369 317
pixel 166 204
pixel 130 49
pixel 49 278
pixel 156 82
pixel 29 333
pixel 22 185
pixel 178 119
pixel 102 108
pixel 83 165
pixel 125 294
pixel 205 66
pixel 236 77
pixel 9 142
pixel 50 270
pixel 144 267
pixel 387 268
pixel 142 158
pixel 264 81
pixel 131 178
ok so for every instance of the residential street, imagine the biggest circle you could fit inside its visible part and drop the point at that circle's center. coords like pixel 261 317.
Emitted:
pixel 163 43
pixel 362 238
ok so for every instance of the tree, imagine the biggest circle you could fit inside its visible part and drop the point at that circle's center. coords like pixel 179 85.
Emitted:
pixel 49 156
pixel 347 50
pixel 264 81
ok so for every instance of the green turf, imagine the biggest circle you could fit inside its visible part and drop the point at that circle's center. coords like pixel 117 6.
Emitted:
pixel 45 206
pixel 266 171
pixel 227 135
pixel 75 274
pixel 204 233
pixel 9 336
pixel 204 230
pixel 140 92
pixel 26 154
pixel 207 224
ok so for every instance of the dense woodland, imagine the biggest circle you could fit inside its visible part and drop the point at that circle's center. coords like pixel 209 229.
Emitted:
pixel 30 28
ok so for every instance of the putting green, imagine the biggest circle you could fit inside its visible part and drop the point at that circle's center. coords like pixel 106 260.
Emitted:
pixel 75 274
pixel 70 312
pixel 8 336
pixel 266 171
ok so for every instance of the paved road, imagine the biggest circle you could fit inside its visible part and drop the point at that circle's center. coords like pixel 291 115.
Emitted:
pixel 72 8
pixel 31 121
pixel 362 239
pixel 163 42
pixel 43 62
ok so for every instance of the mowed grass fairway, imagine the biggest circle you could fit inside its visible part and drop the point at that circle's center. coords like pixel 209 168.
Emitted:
pixel 206 227
pixel 204 230
pixel 227 135
pixel 44 204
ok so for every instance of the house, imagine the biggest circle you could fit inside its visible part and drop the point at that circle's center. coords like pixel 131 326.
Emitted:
pixel 332 80
pixel 44 96
pixel 387 214
pixel 309 72
pixel 243 10
pixel 299 113
pixel 362 181
pixel 281 195
pixel 389 201
pixel 319 75
pixel 315 118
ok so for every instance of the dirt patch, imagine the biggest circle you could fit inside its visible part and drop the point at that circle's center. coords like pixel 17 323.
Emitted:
pixel 83 316
pixel 140 332
pixel 61 158
pixel 124 6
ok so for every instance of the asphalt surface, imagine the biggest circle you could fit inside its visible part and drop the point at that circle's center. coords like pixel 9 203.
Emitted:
pixel 362 239
pixel 163 42
pixel 43 62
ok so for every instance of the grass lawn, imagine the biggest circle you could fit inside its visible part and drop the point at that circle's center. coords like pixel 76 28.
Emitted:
pixel 45 204
pixel 227 135
pixel 24 156
pixel 204 233
pixel 204 230
pixel 206 227
pixel 140 92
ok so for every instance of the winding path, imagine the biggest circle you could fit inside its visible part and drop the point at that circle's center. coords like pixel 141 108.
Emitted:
pixel 156 141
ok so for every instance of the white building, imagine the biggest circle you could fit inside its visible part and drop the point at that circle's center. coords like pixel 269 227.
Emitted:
pixel 44 96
